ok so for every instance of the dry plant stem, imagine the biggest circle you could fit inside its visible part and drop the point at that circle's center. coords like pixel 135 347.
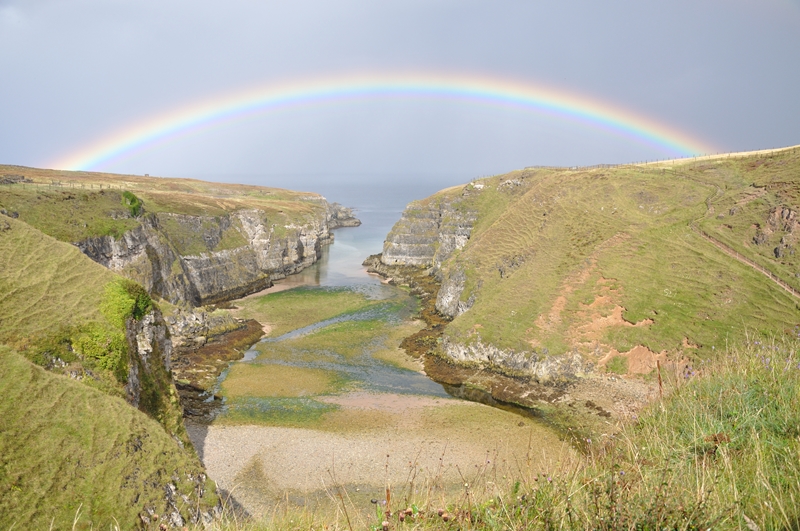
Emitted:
pixel 412 476
pixel 339 488
pixel 435 482
pixel 660 382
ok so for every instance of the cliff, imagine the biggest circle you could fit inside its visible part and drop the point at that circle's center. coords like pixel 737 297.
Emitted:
pixel 429 231
pixel 186 241
pixel 71 439
pixel 201 260
pixel 578 279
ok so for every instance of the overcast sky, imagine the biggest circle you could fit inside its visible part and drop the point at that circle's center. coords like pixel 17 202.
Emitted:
pixel 73 72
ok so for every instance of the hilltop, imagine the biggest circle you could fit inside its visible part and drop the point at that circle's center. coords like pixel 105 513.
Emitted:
pixel 572 285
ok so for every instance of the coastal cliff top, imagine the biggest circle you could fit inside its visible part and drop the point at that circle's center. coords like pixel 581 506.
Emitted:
pixel 107 203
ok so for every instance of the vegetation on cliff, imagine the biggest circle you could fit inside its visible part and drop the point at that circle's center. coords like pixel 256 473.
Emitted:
pixel 68 438
pixel 186 241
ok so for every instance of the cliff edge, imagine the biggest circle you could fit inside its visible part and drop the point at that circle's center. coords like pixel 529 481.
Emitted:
pixel 581 284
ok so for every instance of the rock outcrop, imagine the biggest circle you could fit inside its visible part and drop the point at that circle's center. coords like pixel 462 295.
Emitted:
pixel 543 369
pixel 149 385
pixel 341 216
pixel 428 233
pixel 199 260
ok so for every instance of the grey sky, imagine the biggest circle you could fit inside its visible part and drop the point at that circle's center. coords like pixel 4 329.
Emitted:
pixel 74 71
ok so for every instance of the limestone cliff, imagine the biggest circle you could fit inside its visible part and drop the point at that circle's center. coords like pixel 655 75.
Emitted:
pixel 197 259
pixel 428 232
pixel 149 385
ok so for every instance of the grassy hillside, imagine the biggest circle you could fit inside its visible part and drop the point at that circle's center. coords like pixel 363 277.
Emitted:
pixel 720 452
pixel 603 260
pixel 72 453
pixel 68 437
pixel 44 282
pixel 72 206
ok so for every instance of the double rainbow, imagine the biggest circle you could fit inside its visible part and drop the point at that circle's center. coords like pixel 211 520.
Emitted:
pixel 493 91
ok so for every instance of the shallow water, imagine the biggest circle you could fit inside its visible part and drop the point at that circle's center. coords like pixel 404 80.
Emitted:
pixel 338 394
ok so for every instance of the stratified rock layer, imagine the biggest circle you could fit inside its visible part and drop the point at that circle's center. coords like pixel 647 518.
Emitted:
pixel 428 233
pixel 199 260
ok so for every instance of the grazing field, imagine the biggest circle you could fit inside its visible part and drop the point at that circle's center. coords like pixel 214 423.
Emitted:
pixel 72 206
pixel 606 260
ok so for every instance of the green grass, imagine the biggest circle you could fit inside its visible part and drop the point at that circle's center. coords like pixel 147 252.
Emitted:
pixel 719 452
pixel 69 452
pixel 617 365
pixel 69 215
pixel 289 310
pixel 45 283
pixel 542 252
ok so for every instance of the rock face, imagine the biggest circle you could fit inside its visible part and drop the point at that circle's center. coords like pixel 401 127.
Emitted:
pixel 150 350
pixel 427 235
pixel 192 328
pixel 546 369
pixel 340 216
pixel 428 232
pixel 149 386
pixel 200 260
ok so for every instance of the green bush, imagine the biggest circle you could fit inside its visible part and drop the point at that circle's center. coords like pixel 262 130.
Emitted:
pixel 104 346
pixel 134 204
pixel 124 298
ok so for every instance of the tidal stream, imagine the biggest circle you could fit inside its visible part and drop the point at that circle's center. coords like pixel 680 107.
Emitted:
pixel 327 400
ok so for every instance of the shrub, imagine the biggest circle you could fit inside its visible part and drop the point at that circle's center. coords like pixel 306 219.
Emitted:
pixel 124 298
pixel 105 346
pixel 134 204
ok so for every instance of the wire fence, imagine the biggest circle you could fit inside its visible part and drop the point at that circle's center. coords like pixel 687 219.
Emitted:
pixel 763 154
pixel 24 183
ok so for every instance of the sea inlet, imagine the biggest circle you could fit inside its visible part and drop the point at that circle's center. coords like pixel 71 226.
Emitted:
pixel 327 412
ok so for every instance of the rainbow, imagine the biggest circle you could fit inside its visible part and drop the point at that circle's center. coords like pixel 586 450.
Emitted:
pixel 524 96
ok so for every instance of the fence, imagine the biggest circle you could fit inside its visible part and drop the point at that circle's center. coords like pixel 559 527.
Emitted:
pixel 765 153
pixel 68 184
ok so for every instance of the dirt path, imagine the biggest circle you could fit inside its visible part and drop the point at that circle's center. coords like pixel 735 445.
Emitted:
pixel 746 261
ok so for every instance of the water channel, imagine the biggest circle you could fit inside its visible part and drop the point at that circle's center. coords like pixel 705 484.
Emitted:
pixel 327 400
